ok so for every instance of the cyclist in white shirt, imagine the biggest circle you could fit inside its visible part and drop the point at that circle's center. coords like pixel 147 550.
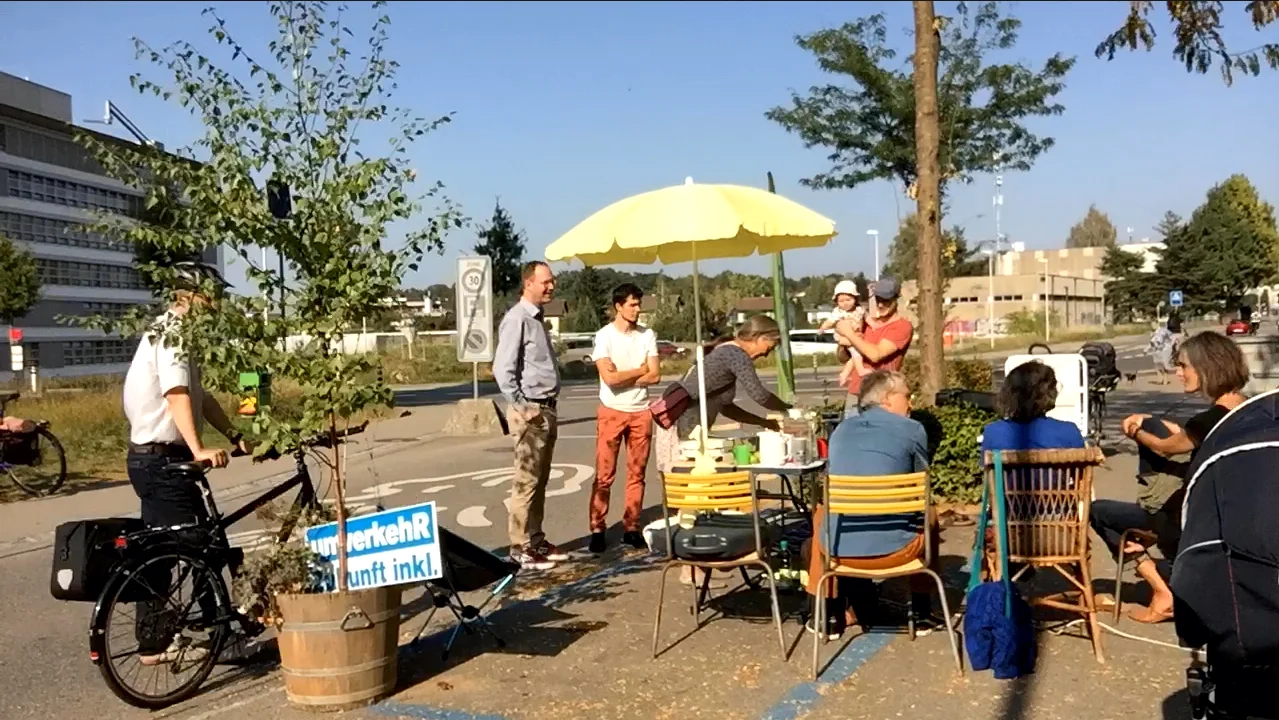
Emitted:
pixel 626 356
pixel 166 407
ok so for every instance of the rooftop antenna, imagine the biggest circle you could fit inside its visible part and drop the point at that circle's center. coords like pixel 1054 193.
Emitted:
pixel 113 114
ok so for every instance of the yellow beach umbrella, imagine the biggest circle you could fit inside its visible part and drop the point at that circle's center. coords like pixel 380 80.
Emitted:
pixel 692 222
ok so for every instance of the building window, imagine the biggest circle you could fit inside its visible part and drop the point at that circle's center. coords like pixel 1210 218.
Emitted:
pixel 31 229
pixel 83 274
pixel 98 352
pixel 34 145
pixel 115 311
pixel 29 186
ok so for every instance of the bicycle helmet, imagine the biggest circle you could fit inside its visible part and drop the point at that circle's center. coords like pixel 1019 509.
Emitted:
pixel 193 276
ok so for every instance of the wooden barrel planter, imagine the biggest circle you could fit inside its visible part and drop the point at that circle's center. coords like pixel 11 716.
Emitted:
pixel 338 650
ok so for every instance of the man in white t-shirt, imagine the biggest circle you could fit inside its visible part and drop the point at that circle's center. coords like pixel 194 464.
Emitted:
pixel 626 355
pixel 166 407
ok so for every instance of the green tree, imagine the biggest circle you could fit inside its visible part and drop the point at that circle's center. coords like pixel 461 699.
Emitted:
pixel 504 245
pixel 957 259
pixel 1197 28
pixel 589 300
pixel 869 124
pixel 945 105
pixel 19 281
pixel 1229 246
pixel 1131 292
pixel 1170 223
pixel 307 111
pixel 1095 230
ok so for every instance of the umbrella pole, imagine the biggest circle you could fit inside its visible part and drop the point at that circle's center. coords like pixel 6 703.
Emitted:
pixel 704 465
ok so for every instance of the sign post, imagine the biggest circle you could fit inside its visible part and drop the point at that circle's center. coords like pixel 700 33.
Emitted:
pixel 474 310
pixel 1175 298
pixel 16 356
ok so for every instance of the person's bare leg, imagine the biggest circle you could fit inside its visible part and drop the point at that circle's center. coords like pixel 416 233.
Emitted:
pixel 1161 601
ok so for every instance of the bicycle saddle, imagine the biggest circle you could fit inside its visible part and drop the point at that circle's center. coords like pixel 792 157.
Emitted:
pixel 185 468
pixel 9 397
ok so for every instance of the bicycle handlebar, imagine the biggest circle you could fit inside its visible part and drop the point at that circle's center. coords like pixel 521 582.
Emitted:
pixel 321 440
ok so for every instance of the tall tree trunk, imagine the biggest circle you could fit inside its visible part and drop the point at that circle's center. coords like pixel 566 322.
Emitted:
pixel 928 201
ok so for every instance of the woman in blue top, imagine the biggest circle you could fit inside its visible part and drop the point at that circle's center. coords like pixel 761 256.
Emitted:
pixel 1028 394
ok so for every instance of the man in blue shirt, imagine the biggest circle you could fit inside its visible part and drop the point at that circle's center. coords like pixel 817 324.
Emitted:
pixel 881 440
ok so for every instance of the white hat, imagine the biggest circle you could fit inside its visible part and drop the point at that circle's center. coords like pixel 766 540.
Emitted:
pixel 844 287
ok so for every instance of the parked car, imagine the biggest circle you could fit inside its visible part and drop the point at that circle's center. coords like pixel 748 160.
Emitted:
pixel 1243 327
pixel 667 349
pixel 577 349
pixel 812 342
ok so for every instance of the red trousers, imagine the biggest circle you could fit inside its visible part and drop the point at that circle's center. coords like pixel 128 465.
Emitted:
pixel 611 426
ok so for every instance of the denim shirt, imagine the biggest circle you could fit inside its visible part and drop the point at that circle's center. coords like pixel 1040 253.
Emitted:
pixel 524 363
pixel 876 442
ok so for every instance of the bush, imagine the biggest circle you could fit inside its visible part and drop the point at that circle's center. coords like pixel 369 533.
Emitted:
pixel 955 470
pixel 962 373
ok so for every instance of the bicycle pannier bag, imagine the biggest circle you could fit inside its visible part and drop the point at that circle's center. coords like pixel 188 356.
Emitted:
pixel 84 554
pixel 20 448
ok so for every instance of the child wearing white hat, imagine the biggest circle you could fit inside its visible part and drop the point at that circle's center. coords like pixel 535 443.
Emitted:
pixel 846 307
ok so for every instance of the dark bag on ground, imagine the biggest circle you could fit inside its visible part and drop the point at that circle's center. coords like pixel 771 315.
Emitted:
pixel 84 554
pixel 20 448
pixel 716 536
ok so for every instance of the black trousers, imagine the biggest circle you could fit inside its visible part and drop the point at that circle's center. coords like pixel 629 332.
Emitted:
pixel 166 500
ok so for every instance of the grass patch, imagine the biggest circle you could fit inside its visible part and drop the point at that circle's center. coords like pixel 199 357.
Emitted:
pixel 87 416
pixel 975 346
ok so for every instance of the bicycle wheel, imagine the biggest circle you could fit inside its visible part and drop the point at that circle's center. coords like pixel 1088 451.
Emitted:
pixel 46 476
pixel 173 603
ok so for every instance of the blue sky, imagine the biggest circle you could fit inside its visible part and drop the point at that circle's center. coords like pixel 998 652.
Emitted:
pixel 564 108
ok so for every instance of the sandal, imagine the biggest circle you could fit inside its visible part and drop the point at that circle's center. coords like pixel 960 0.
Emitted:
pixel 715 583
pixel 1146 616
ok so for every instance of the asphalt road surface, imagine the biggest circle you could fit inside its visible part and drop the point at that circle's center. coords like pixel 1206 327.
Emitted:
pixel 45 672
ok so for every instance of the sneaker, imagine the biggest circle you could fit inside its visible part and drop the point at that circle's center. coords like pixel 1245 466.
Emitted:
pixel 181 649
pixel 635 539
pixel 550 552
pixel 924 625
pixel 830 635
pixel 529 559
pixel 598 543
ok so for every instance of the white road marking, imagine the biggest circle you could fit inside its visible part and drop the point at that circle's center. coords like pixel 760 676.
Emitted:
pixel 473 517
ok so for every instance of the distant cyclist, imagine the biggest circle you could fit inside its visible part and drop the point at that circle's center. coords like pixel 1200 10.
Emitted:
pixel 166 407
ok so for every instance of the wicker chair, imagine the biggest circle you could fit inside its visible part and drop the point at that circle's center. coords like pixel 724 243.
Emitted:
pixel 1048 494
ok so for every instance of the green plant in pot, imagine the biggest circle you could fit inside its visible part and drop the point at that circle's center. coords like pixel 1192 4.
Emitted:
pixel 288 168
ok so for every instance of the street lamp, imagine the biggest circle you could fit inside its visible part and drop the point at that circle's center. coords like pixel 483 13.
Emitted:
pixel 875 234
pixel 1048 299
pixel 998 202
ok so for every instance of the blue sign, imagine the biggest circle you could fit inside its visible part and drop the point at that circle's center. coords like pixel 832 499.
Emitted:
pixel 393 547
pixel 1175 298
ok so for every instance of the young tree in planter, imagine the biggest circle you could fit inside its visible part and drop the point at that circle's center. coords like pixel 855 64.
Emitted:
pixel 305 114
pixel 19 282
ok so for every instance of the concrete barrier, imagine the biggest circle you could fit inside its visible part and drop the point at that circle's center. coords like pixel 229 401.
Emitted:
pixel 476 417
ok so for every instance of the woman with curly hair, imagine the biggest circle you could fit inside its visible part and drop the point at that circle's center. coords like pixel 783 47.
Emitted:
pixel 1028 394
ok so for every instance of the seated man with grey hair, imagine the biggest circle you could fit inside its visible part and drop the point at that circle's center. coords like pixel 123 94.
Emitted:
pixel 881 440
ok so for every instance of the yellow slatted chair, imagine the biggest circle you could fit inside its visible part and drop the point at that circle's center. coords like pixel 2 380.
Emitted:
pixel 722 492
pixel 1048 494
pixel 851 495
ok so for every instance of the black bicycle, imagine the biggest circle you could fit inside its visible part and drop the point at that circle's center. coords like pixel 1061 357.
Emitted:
pixel 170 585
pixel 33 460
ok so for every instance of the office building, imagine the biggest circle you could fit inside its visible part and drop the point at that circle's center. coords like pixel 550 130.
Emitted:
pixel 49 186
